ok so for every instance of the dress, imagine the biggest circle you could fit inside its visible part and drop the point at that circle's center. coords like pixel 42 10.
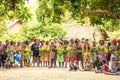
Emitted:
pixel 41 49
pixel 72 56
pixel 11 55
pixel 27 53
pixel 102 51
pixel 79 53
pixel 66 58
pixel 46 53
pixel 87 55
pixel 60 56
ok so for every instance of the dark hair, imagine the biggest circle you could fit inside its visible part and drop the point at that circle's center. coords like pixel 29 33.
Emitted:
pixel 72 41
pixel 61 43
pixel 77 40
pixel 109 43
pixel 18 43
pixel 66 42
pixel 86 43
pixel 118 41
pixel 47 42
pixel 27 42
pixel 101 42
pixel 11 42
pixel 7 41
pixel 35 40
pixel 86 39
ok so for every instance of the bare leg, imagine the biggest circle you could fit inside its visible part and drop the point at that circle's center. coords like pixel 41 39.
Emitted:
pixel 62 64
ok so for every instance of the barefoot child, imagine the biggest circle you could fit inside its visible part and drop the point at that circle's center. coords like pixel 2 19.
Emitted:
pixel 7 63
pixel 17 58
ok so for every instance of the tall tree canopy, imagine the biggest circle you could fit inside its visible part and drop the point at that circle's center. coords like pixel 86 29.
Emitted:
pixel 14 9
pixel 98 11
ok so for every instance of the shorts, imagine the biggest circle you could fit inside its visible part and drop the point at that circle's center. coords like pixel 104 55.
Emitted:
pixel 16 62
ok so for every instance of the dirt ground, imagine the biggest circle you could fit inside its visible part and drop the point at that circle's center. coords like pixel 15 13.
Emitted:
pixel 52 74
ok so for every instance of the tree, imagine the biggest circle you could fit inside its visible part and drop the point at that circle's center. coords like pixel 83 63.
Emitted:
pixel 14 9
pixel 2 28
pixel 49 11
pixel 99 12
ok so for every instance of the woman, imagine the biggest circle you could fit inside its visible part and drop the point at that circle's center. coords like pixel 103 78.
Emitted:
pixel 46 53
pixel 79 52
pixel 27 54
pixel 60 55
pixel 109 48
pixel 11 52
pixel 72 55
pixel 102 49
pixel 94 51
pixel 52 54
pixel 87 56
pixel 66 58
pixel 56 43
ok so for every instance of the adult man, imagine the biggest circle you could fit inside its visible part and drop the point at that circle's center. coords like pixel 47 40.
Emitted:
pixel 35 49
pixel 3 55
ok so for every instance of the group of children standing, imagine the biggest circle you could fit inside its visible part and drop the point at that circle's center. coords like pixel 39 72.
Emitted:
pixel 100 57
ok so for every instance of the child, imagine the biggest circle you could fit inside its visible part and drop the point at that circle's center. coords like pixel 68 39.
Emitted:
pixel 118 70
pixel 88 65
pixel 97 65
pixel 76 66
pixel 104 67
pixel 7 63
pixel 17 58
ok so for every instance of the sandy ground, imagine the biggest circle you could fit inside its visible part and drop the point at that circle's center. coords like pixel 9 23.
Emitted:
pixel 52 74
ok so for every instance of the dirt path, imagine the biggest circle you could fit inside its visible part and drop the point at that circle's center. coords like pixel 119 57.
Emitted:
pixel 51 74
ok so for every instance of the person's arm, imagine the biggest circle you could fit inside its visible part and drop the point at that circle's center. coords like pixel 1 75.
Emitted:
pixel 15 55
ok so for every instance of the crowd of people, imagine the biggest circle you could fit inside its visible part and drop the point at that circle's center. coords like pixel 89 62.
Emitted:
pixel 101 57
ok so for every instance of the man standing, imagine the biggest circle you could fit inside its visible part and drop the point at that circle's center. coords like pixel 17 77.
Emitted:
pixel 35 49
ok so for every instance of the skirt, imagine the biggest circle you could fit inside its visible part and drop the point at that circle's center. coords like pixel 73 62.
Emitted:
pixel 66 58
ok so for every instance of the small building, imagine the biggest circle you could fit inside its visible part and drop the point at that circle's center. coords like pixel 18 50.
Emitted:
pixel 13 26
pixel 77 31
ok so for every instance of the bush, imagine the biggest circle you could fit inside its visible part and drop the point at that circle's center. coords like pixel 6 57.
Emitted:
pixel 36 31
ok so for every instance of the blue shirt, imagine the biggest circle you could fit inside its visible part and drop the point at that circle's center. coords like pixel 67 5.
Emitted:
pixel 17 57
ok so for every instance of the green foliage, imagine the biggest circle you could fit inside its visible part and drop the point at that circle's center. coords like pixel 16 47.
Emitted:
pixel 23 13
pixel 14 9
pixel 99 12
pixel 2 28
pixel 50 11
pixel 13 36
pixel 36 31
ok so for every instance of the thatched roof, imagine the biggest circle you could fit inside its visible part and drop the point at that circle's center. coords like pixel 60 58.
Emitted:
pixel 10 23
pixel 76 31
pixel 13 25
